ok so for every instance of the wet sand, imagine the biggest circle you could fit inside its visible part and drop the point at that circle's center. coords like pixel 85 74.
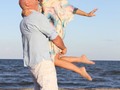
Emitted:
pixel 66 89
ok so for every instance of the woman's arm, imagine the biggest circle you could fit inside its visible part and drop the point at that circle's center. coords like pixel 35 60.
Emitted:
pixel 80 12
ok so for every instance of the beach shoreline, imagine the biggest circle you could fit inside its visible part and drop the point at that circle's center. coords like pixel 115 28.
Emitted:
pixel 63 89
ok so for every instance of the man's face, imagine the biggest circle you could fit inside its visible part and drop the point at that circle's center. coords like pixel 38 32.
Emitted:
pixel 37 2
pixel 33 3
pixel 29 4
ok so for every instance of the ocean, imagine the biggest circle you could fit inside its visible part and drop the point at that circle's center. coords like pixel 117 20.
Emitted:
pixel 105 74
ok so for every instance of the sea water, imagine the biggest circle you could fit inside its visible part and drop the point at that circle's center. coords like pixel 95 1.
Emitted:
pixel 105 74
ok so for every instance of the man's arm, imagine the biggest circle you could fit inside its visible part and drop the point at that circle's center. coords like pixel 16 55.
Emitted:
pixel 60 44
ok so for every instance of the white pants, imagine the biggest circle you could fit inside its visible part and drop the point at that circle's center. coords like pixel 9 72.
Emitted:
pixel 44 76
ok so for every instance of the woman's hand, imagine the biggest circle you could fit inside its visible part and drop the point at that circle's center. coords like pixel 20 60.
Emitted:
pixel 91 14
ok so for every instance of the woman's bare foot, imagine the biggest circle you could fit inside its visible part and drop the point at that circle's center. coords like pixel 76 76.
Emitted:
pixel 84 59
pixel 84 74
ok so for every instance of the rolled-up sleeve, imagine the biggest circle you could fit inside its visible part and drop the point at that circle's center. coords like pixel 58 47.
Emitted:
pixel 53 35
pixel 47 29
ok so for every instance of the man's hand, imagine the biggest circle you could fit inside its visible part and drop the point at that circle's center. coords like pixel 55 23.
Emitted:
pixel 64 51
pixel 58 55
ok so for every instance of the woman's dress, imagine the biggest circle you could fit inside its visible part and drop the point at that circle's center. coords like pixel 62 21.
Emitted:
pixel 59 12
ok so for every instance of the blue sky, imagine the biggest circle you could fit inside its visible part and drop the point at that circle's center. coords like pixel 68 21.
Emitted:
pixel 98 37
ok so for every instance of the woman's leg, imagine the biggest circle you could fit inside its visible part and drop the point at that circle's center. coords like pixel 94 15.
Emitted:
pixel 70 66
pixel 82 59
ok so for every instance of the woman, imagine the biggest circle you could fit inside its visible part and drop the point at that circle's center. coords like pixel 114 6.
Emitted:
pixel 59 12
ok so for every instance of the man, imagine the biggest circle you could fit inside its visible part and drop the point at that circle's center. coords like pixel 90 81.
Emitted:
pixel 36 32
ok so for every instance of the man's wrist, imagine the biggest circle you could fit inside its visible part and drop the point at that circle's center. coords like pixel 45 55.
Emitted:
pixel 64 48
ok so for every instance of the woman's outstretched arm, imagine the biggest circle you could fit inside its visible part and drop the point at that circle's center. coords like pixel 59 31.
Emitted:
pixel 82 13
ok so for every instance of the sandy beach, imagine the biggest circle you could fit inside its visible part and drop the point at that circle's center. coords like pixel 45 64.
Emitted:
pixel 66 89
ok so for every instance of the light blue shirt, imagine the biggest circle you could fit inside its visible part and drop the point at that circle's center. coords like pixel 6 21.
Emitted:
pixel 36 32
